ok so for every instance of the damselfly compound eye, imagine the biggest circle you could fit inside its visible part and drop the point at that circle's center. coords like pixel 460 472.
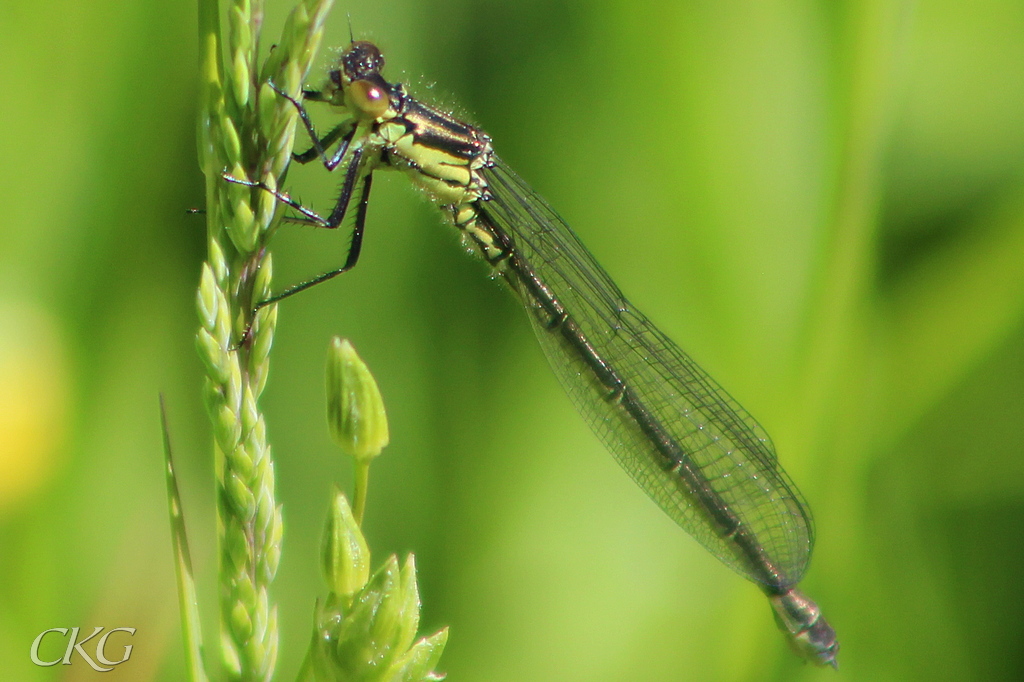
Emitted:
pixel 369 98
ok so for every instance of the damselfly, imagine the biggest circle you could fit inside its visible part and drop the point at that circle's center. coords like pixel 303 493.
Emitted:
pixel 706 462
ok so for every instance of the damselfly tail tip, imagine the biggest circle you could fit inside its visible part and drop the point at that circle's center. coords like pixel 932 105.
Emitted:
pixel 808 632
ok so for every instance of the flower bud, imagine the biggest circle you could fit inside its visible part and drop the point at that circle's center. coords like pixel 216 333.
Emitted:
pixel 345 559
pixel 355 410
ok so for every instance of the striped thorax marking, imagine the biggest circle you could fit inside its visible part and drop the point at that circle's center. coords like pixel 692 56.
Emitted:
pixel 444 158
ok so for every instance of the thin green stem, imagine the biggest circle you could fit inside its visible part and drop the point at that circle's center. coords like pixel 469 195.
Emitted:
pixel 360 488
pixel 188 602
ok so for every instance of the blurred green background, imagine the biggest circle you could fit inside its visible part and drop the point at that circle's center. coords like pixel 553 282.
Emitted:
pixel 823 202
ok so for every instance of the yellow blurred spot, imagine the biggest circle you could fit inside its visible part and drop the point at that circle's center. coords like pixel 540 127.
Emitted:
pixel 33 400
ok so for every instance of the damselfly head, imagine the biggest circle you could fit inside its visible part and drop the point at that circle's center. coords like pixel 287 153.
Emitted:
pixel 362 61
